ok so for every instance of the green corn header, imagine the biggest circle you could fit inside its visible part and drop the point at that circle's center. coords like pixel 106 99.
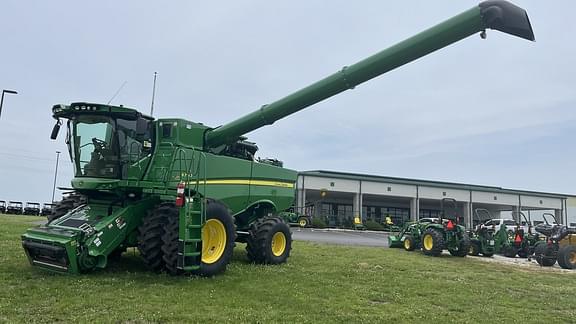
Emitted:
pixel 183 192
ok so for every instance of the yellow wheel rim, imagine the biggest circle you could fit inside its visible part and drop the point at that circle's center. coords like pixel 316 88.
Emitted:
pixel 428 242
pixel 302 222
pixel 278 244
pixel 573 257
pixel 471 250
pixel 407 244
pixel 213 241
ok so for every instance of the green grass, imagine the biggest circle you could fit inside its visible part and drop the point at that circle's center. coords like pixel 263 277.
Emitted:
pixel 319 284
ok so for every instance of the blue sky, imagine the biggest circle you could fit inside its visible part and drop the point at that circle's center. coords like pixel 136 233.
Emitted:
pixel 497 112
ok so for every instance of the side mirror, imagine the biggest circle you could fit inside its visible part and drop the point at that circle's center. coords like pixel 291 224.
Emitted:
pixel 55 130
pixel 142 126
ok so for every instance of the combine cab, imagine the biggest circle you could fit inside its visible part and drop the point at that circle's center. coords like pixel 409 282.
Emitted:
pixel 183 192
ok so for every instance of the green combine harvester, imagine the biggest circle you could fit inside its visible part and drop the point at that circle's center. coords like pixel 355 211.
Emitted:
pixel 183 192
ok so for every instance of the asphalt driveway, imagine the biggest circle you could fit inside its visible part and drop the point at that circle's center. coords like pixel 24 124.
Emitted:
pixel 344 237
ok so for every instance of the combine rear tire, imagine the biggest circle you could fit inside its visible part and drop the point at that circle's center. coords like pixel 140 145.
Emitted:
pixel 409 243
pixel 544 254
pixel 567 257
pixel 270 241
pixel 432 242
pixel 65 205
pixel 150 235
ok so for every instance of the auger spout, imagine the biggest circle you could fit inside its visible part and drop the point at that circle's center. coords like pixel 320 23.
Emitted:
pixel 497 15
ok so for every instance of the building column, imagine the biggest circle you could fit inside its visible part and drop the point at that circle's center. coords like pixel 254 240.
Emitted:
pixel 516 214
pixel 468 215
pixel 301 200
pixel 357 206
pixel 414 209
pixel 559 216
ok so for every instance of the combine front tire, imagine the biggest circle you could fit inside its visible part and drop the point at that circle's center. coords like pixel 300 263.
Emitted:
pixel 270 241
pixel 432 242
pixel 65 205
pixel 567 257
pixel 150 235
pixel 218 236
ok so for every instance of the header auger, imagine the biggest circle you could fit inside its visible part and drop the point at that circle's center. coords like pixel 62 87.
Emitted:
pixel 183 192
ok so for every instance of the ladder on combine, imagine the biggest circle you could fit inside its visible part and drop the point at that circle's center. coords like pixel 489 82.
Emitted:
pixel 192 213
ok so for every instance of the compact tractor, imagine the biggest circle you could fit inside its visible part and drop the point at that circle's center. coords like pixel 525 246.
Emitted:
pixel 560 245
pixel 446 233
pixel 183 192
pixel 518 242
pixel 433 235
pixel 482 237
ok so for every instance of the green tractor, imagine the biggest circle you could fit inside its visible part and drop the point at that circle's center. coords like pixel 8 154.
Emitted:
pixel 405 237
pixel 482 237
pixel 446 233
pixel 294 218
pixel 518 242
pixel 560 245
pixel 183 192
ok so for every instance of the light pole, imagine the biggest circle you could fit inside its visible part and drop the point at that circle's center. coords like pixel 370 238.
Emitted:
pixel 55 175
pixel 2 100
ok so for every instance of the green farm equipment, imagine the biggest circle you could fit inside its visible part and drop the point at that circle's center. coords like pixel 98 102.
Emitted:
pixel 482 237
pixel 293 218
pixel 433 235
pixel 183 192
pixel 560 245
pixel 519 242
pixel 409 236
pixel 446 233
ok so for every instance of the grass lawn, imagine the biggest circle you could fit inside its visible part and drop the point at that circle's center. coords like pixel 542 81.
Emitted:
pixel 319 284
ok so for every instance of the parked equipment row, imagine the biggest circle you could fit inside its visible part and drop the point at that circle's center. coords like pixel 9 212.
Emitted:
pixel 31 208
pixel 546 243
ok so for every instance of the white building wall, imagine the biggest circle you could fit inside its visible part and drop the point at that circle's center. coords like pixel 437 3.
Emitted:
pixel 341 185
pixel 388 189
pixel 494 198
pixel 540 202
pixel 440 193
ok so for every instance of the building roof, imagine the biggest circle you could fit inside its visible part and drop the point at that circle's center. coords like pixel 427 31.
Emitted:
pixel 416 182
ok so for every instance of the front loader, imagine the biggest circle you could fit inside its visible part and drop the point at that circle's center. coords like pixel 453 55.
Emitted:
pixel 183 192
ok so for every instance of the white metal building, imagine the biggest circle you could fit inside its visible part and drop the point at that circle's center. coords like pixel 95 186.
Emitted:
pixel 339 197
